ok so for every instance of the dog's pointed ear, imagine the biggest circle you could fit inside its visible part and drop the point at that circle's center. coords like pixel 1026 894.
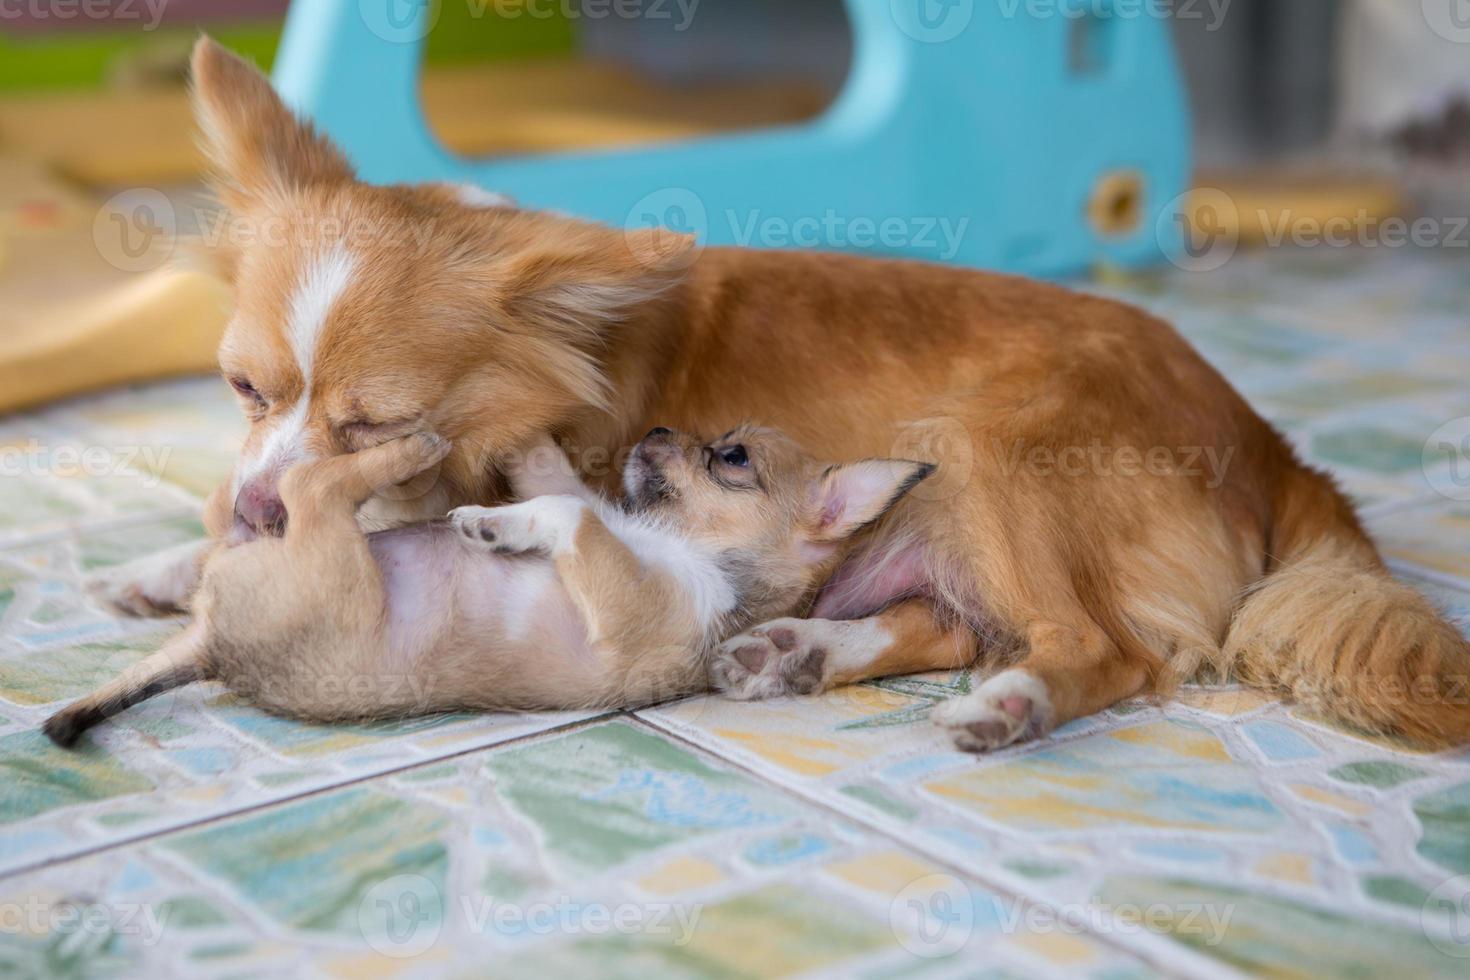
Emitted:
pixel 849 497
pixel 573 278
pixel 253 141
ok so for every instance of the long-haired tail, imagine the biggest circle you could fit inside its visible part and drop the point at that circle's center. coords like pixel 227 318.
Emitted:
pixel 181 661
pixel 1331 628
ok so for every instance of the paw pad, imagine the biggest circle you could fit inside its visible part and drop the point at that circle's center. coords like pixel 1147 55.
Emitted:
pixel 769 662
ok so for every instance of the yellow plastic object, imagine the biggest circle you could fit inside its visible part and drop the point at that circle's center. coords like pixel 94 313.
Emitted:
pixel 162 323
pixel 1276 208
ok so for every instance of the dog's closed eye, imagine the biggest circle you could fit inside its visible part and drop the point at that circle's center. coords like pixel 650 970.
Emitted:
pixel 363 433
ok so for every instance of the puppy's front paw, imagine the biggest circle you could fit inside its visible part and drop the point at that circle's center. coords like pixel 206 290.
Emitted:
pixel 542 524
pixel 779 658
pixel 154 585
pixel 1013 706
pixel 485 526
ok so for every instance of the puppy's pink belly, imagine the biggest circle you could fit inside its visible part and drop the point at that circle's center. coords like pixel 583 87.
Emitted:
pixel 419 565
pixel 438 584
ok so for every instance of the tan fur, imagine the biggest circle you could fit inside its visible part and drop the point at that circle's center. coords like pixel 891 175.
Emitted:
pixel 1329 627
pixel 503 323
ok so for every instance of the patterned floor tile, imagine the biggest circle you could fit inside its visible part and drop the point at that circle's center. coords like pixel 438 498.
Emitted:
pixel 1223 804
pixel 185 432
pixel 1435 536
pixel 187 755
pixel 53 481
pixel 610 850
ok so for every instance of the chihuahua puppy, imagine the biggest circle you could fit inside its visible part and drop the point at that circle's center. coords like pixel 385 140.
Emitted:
pixel 564 600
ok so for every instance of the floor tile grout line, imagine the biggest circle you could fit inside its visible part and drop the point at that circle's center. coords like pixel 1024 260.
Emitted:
pixel 878 828
pixel 143 838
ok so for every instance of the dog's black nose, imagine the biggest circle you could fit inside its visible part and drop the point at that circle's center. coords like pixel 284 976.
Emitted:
pixel 658 431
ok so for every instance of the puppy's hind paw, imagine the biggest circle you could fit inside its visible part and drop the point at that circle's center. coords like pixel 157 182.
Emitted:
pixel 154 585
pixel 1013 706
pixel 780 658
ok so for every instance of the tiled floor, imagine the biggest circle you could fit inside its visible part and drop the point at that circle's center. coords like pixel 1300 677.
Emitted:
pixel 198 837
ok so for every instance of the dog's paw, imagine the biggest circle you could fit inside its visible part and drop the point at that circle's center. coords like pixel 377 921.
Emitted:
pixel 1013 706
pixel 154 585
pixel 543 524
pixel 779 658
pixel 422 450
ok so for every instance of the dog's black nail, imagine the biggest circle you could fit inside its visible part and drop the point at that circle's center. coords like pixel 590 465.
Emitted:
pixel 487 534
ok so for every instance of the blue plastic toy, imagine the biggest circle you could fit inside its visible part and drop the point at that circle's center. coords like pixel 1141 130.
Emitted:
pixel 1033 136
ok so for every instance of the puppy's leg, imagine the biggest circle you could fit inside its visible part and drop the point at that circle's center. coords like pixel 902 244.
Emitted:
pixel 639 622
pixel 162 584
pixel 180 661
pixel 805 656
pixel 544 470
pixel 159 584
pixel 328 492
pixel 1067 673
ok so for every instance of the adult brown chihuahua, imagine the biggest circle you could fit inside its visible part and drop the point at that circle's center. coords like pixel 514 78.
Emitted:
pixel 1073 524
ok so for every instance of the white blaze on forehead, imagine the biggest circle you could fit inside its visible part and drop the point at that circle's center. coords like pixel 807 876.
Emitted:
pixel 323 282
pixel 473 196
pixel 318 290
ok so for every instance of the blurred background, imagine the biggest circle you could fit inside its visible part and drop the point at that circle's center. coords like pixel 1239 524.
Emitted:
pixel 1267 80
pixel 1357 110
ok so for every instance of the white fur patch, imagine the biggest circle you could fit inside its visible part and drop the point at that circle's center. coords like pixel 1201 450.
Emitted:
pixel 979 720
pixel 323 283
pixel 320 287
pixel 546 523
pixel 695 568
pixel 473 196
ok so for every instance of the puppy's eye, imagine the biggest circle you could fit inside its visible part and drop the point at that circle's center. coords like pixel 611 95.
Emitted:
pixel 734 456
pixel 245 389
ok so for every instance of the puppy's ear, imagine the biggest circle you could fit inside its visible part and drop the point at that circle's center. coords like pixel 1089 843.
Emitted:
pixel 253 141
pixel 847 498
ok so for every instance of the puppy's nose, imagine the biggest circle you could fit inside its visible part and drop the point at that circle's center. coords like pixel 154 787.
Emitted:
pixel 658 432
pixel 258 506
